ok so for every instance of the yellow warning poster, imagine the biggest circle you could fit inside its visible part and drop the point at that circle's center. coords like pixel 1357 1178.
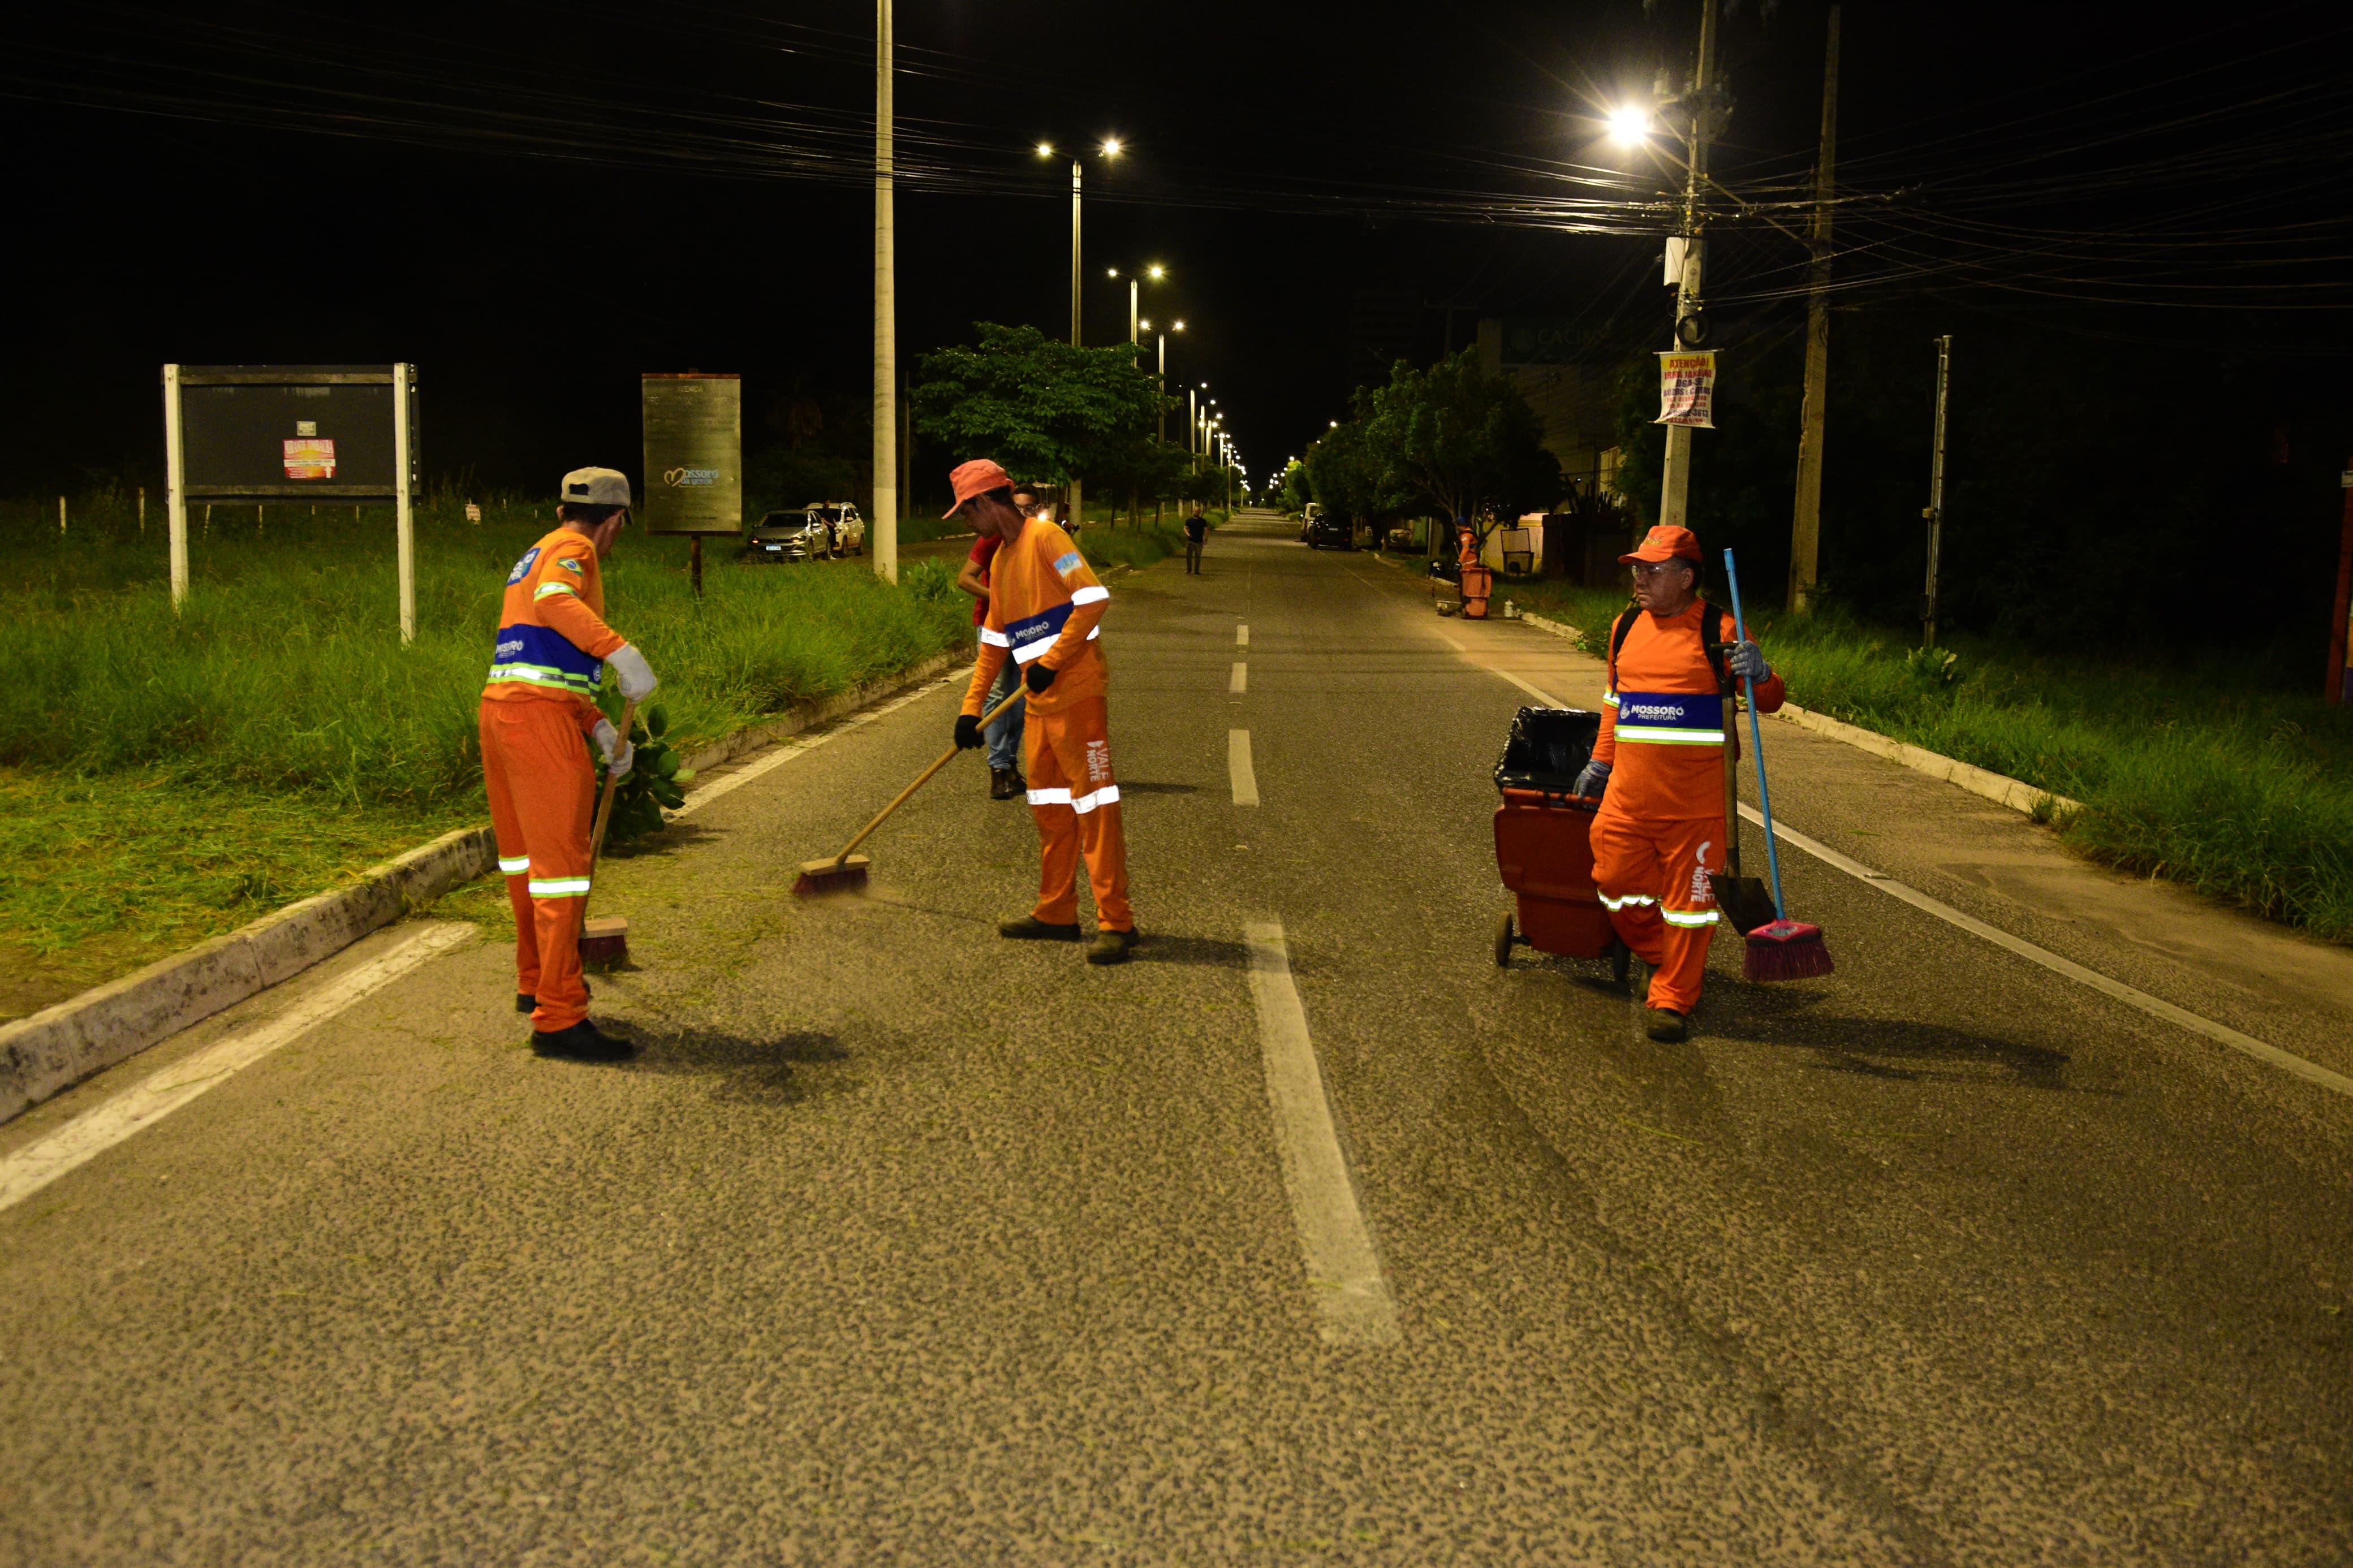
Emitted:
pixel 1687 389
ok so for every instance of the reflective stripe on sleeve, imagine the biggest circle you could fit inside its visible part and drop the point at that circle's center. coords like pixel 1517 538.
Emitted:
pixel 559 887
pixel 1610 697
pixel 547 588
pixel 513 864
pixel 1088 596
pixel 995 639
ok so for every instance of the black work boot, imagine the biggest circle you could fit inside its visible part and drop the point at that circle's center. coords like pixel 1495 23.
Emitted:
pixel 583 1042
pixel 1000 783
pixel 1667 1026
pixel 1030 928
pixel 1112 946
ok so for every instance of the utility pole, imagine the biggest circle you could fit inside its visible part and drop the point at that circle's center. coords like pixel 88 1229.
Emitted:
pixel 1935 508
pixel 2340 617
pixel 1078 497
pixel 1674 491
pixel 1806 528
pixel 883 528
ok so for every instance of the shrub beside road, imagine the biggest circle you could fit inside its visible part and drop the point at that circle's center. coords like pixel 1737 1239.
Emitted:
pixel 2200 771
pixel 166 777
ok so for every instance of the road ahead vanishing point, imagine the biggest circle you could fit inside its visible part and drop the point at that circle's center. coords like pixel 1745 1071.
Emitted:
pixel 1309 1236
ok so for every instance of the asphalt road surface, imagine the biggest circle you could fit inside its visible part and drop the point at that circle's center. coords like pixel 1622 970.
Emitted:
pixel 1308 1237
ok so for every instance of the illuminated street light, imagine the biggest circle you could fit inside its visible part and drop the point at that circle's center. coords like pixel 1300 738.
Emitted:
pixel 1629 126
pixel 1111 147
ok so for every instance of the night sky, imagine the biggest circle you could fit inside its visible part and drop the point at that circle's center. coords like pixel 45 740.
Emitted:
pixel 536 203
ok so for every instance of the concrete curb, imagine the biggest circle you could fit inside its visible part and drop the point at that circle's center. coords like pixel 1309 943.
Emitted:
pixel 59 1045
pixel 2015 794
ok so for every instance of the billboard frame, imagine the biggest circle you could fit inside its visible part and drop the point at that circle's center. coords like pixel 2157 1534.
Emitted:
pixel 401 378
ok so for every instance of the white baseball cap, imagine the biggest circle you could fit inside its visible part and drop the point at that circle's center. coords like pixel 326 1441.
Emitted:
pixel 596 486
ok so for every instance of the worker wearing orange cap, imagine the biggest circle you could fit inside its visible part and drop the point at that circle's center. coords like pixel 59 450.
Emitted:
pixel 537 718
pixel 1045 608
pixel 1658 767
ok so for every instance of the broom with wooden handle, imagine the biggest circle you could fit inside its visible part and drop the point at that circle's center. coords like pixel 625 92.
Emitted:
pixel 846 872
pixel 605 941
pixel 1785 949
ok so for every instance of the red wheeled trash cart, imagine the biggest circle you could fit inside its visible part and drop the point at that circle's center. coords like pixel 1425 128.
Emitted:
pixel 1542 841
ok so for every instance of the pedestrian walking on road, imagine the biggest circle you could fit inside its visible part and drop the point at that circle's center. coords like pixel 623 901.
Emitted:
pixel 1045 608
pixel 1659 769
pixel 1197 531
pixel 538 716
pixel 1004 776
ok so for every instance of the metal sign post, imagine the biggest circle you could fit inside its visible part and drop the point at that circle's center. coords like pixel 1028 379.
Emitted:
pixel 1935 508
pixel 404 520
pixel 176 489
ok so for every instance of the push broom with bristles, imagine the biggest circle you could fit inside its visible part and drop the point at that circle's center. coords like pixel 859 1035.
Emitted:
pixel 846 872
pixel 1784 948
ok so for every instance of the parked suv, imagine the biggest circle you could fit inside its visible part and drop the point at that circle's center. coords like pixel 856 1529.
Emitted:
pixel 1324 529
pixel 841 520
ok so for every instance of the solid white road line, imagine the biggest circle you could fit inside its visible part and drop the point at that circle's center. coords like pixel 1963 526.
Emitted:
pixel 1241 637
pixel 1238 772
pixel 1239 683
pixel 36 1165
pixel 1352 1299
pixel 2130 995
pixel 705 794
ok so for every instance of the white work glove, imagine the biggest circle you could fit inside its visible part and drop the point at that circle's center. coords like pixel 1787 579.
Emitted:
pixel 637 676
pixel 1748 662
pixel 618 753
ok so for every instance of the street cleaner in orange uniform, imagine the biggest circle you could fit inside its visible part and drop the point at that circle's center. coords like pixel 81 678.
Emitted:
pixel 1045 606
pixel 537 719
pixel 1659 769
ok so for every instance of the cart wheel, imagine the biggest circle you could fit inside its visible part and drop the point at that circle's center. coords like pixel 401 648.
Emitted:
pixel 1621 958
pixel 1503 940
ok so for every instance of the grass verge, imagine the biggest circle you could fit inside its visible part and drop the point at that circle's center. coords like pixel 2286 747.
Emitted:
pixel 2200 770
pixel 168 776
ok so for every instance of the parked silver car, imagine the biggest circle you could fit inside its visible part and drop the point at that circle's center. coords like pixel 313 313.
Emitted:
pixel 789 536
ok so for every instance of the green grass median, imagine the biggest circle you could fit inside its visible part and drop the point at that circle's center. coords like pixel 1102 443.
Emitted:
pixel 168 776
pixel 2204 769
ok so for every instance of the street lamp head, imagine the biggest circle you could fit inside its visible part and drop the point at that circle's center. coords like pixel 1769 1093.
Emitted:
pixel 1629 126
pixel 1335 424
pixel 1111 147
pixel 1176 326
pixel 1155 272
pixel 1045 148
pixel 1110 271
pixel 1143 325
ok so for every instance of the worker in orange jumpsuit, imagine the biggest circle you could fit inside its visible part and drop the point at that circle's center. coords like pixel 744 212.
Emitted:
pixel 1659 765
pixel 538 717
pixel 1045 606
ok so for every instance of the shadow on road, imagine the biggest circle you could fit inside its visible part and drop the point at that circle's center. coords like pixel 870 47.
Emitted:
pixel 1159 789
pixel 763 1070
pixel 1216 951
pixel 1902 1048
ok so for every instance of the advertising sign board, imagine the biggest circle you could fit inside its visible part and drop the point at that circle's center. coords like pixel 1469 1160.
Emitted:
pixel 694 453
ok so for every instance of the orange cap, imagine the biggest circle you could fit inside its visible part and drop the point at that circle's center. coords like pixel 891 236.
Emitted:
pixel 1665 543
pixel 975 478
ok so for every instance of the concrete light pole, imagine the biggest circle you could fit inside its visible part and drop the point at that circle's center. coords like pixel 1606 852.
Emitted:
pixel 1674 490
pixel 1806 526
pixel 883 528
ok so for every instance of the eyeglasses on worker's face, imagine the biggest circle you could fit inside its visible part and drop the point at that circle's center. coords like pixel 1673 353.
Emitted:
pixel 1645 571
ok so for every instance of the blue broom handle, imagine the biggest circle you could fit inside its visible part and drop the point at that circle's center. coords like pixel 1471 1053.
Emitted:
pixel 1757 740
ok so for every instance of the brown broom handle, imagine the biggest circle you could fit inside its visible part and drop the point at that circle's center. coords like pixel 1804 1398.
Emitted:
pixel 1020 690
pixel 605 811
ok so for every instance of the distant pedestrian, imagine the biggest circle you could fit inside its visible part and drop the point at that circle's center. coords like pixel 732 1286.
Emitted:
pixel 537 716
pixel 1197 531
pixel 1005 775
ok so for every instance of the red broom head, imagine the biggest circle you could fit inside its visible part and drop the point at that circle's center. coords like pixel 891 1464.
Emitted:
pixel 1786 950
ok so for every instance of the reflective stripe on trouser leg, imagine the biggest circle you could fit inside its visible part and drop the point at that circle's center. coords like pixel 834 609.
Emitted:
pixel 1074 799
pixel 1652 877
pixel 542 800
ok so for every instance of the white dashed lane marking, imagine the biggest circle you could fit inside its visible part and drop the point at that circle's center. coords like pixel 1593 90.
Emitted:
pixel 1352 1304
pixel 1241 637
pixel 1238 772
pixel 1240 681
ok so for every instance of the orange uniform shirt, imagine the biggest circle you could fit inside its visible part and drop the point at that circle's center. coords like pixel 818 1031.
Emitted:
pixel 553 638
pixel 1046 604
pixel 1663 720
